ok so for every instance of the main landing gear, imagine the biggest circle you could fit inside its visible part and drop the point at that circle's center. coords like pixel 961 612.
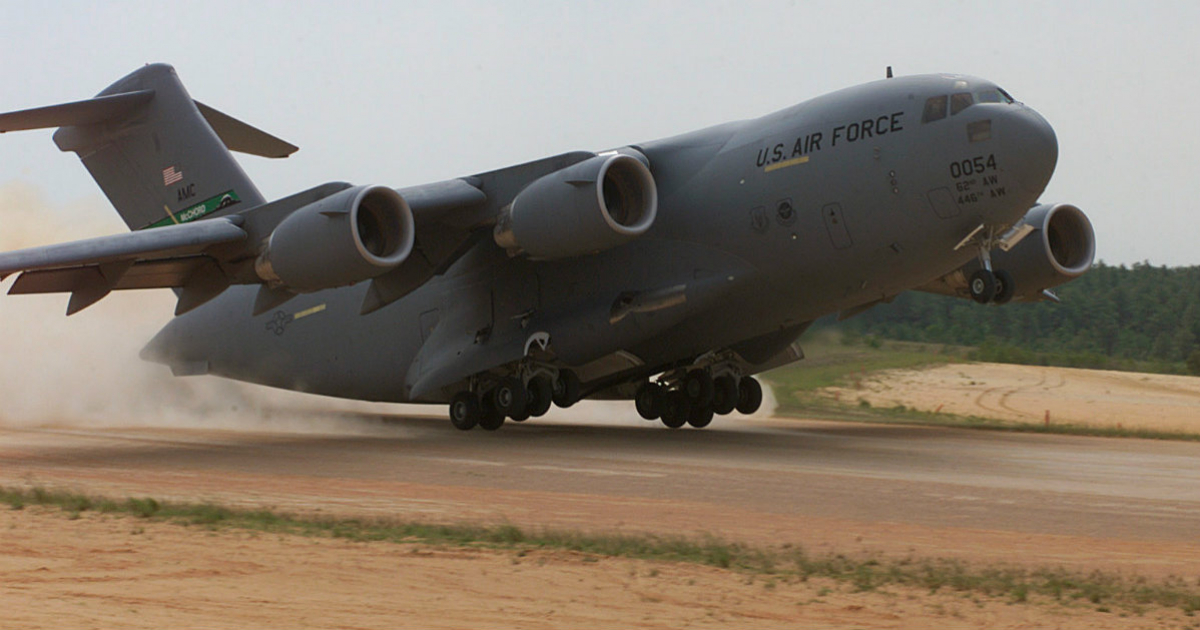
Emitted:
pixel 697 397
pixel 513 398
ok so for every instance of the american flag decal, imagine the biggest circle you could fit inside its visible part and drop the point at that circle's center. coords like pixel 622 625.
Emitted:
pixel 170 176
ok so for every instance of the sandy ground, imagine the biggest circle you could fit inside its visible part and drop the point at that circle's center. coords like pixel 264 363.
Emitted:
pixel 1123 506
pixel 101 572
pixel 1035 394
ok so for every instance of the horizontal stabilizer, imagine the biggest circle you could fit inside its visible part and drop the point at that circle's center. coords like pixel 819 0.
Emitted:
pixel 89 112
pixel 240 137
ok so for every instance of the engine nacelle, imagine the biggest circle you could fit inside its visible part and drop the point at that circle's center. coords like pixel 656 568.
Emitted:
pixel 353 235
pixel 1060 247
pixel 591 206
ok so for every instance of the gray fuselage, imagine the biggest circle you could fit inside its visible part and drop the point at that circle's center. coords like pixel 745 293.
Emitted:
pixel 767 224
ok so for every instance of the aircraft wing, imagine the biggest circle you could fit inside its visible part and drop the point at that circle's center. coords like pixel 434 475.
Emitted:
pixel 91 268
pixel 306 242
pixel 204 257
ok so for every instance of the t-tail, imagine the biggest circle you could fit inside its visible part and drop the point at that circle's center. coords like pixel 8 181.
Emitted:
pixel 160 157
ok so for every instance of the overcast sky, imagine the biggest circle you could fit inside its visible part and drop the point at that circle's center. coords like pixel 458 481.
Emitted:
pixel 401 94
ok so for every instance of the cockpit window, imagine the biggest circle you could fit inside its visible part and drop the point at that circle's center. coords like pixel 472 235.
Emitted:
pixel 1007 99
pixel 989 96
pixel 935 109
pixel 960 101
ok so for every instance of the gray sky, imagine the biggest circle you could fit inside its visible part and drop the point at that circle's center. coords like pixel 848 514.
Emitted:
pixel 400 94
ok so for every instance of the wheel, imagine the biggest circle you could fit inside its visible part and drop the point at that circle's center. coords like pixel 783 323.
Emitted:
pixel 490 418
pixel 749 395
pixel 649 401
pixel 1005 287
pixel 541 396
pixel 520 417
pixel 464 411
pixel 676 409
pixel 698 386
pixel 725 395
pixel 983 286
pixel 700 417
pixel 566 389
pixel 509 397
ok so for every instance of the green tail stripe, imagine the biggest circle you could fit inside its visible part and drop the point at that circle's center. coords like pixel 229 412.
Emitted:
pixel 200 210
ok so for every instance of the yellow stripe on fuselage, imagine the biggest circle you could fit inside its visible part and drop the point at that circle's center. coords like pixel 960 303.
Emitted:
pixel 309 311
pixel 786 163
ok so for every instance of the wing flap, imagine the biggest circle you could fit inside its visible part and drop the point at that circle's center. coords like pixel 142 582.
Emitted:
pixel 147 274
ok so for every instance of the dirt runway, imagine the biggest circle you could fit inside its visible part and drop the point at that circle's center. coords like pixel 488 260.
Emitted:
pixel 1106 503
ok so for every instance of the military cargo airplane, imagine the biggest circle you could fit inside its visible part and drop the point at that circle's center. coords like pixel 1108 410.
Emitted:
pixel 667 272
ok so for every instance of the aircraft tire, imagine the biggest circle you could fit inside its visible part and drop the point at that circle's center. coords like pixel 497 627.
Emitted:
pixel 465 411
pixel 982 286
pixel 490 418
pixel 649 401
pixel 509 397
pixel 676 409
pixel 700 417
pixel 750 395
pixel 725 395
pixel 541 396
pixel 698 385
pixel 566 389
pixel 1005 287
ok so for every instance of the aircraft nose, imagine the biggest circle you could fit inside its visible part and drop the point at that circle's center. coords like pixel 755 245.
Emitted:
pixel 1037 146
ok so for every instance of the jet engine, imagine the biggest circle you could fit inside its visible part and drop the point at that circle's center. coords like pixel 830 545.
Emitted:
pixel 591 206
pixel 1059 246
pixel 1050 245
pixel 353 235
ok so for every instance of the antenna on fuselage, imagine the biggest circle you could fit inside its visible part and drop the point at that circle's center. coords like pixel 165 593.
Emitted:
pixel 889 72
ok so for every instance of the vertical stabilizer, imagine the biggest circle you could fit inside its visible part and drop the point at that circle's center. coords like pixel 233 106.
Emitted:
pixel 158 158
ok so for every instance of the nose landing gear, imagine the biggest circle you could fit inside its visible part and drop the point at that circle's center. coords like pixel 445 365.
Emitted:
pixel 988 286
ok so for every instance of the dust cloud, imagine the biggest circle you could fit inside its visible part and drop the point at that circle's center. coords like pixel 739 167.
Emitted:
pixel 83 371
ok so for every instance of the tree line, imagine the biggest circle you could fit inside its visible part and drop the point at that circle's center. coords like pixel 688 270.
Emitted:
pixel 1118 317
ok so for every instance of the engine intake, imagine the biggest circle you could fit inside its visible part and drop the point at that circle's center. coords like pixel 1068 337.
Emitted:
pixel 348 237
pixel 591 206
pixel 1061 247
